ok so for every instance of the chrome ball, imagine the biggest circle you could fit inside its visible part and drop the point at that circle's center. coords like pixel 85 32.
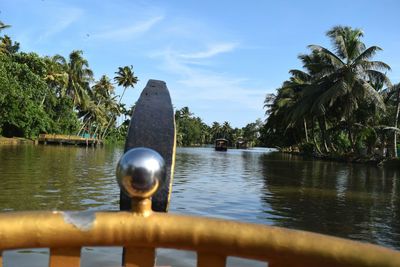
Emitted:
pixel 140 172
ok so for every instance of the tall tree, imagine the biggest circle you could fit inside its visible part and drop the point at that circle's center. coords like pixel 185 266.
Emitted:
pixel 125 77
pixel 79 78
pixel 346 79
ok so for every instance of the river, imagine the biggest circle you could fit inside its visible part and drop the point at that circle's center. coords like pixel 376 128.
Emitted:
pixel 354 201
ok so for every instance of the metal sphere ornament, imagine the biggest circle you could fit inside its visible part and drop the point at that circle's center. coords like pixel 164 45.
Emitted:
pixel 140 172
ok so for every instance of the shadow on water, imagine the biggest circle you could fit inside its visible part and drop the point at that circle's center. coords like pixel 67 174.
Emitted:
pixel 347 200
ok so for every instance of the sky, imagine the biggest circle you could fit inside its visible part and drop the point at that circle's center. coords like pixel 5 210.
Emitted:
pixel 219 58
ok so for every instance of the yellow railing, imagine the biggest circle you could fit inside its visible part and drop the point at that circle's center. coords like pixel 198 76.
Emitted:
pixel 142 231
pixel 65 233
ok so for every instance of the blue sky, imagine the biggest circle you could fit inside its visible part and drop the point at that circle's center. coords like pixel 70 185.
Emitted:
pixel 219 58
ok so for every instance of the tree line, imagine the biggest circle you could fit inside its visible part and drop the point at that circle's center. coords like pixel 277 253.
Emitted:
pixel 53 94
pixel 340 102
pixel 192 131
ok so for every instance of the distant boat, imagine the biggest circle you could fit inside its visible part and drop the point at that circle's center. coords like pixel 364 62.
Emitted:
pixel 221 144
pixel 241 143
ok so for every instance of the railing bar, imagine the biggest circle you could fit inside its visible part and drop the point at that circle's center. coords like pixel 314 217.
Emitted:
pixel 1 258
pixel 139 257
pixel 205 259
pixel 65 257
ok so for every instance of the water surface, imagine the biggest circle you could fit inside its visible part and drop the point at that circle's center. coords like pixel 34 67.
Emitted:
pixel 260 186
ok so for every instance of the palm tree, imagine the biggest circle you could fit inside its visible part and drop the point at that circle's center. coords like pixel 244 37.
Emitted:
pixel 126 78
pixel 346 78
pixel 103 89
pixel 215 130
pixel 56 74
pixel 395 92
pixel 226 130
pixel 79 77
pixel 3 26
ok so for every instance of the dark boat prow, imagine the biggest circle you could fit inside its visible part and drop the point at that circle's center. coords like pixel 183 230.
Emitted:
pixel 153 126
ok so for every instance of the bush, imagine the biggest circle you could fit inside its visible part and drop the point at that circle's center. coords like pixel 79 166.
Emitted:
pixel 307 149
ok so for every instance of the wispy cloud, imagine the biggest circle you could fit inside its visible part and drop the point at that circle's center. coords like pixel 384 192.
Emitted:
pixel 129 31
pixel 202 84
pixel 212 50
pixel 62 22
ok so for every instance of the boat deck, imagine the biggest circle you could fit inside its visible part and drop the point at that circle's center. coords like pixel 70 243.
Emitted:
pixel 68 140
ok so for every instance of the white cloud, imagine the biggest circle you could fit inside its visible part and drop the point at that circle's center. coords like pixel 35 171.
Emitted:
pixel 61 22
pixel 129 31
pixel 202 84
pixel 212 51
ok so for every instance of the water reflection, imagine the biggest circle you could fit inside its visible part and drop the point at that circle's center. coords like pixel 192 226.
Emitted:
pixel 56 177
pixel 348 200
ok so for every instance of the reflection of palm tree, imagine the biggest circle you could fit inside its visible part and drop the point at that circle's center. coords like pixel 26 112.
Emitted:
pixel 327 198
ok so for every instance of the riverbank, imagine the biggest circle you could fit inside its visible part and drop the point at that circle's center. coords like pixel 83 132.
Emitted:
pixel 375 160
pixel 15 141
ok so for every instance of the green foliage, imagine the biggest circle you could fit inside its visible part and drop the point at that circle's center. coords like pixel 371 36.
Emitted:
pixel 55 95
pixel 21 92
pixel 334 99
pixel 191 131
pixel 307 149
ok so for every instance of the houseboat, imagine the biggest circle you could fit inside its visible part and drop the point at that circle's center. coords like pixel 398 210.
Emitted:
pixel 221 144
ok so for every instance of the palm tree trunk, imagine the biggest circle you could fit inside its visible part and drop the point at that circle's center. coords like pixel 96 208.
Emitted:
pixel 322 126
pixel 350 135
pixel 42 102
pixel 83 125
pixel 109 122
pixel 313 137
pixel 108 126
pixel 305 129
pixel 123 92
pixel 396 119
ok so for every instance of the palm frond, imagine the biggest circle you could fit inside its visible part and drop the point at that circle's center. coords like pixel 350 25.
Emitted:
pixel 378 77
pixel 302 75
pixel 376 65
pixel 325 53
pixel 367 54
pixel 372 95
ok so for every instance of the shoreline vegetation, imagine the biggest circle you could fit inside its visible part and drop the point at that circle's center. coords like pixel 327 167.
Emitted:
pixel 340 106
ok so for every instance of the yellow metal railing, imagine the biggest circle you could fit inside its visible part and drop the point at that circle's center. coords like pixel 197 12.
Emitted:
pixel 65 233
pixel 142 231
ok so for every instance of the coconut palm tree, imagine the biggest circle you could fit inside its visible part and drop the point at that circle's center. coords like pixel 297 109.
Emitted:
pixel 125 77
pixel 56 74
pixel 3 26
pixel 346 79
pixel 103 89
pixel 79 77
